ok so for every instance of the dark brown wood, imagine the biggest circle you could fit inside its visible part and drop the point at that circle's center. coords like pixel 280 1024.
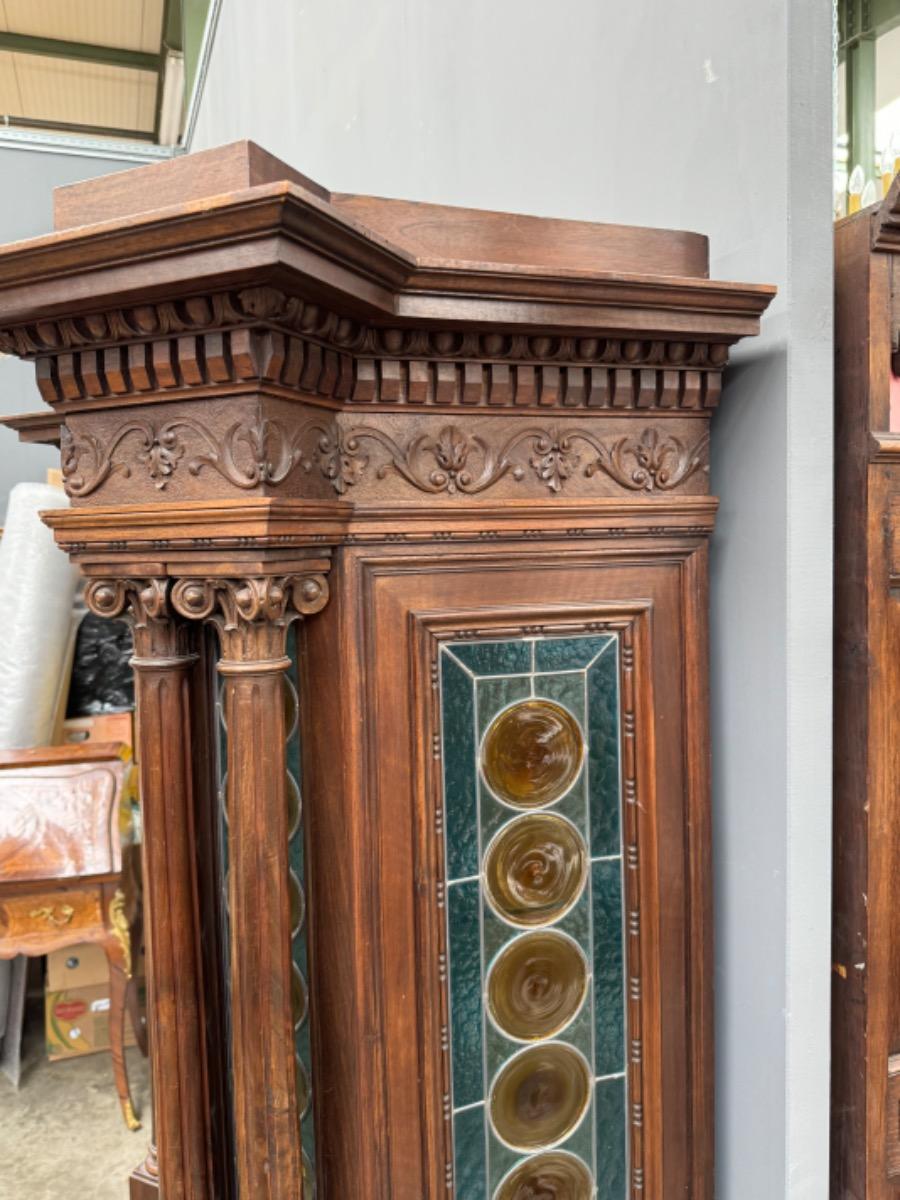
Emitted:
pixel 163 665
pixel 866 940
pixel 226 169
pixel 212 916
pixel 396 424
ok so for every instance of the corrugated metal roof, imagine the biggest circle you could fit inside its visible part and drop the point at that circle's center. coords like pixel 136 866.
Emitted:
pixel 84 66
pixel 129 24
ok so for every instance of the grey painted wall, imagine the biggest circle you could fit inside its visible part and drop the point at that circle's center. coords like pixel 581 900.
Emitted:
pixel 27 180
pixel 691 114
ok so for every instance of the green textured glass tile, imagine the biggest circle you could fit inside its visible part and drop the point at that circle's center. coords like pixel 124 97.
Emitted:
pixel 577 923
pixel 465 994
pixel 458 749
pixel 496 933
pixel 494 694
pixel 582 1140
pixel 308 1140
pixel 293 742
pixel 500 1161
pixel 567 690
pixel 494 658
pixel 469 1153
pixel 493 813
pixel 499 1048
pixel 574 806
pixel 299 952
pixel 609 1112
pixel 609 978
pixel 295 854
pixel 603 754
pixel 567 654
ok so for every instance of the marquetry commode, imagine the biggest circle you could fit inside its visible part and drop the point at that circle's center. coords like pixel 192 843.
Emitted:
pixel 408 507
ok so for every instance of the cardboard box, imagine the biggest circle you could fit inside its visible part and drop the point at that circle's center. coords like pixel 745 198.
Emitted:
pixel 104 727
pixel 83 965
pixel 78 966
pixel 77 1021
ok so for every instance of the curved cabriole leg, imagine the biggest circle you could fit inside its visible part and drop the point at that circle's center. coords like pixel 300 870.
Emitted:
pixel 252 617
pixel 163 665
pixel 118 955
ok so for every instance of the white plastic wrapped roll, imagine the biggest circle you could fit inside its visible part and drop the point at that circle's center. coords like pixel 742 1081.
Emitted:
pixel 37 590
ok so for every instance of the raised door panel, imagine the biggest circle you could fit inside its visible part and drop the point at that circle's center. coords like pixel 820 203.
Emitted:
pixel 449 643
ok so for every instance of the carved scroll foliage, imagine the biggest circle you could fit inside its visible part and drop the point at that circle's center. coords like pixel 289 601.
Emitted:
pixel 453 461
pixel 247 454
pixel 144 600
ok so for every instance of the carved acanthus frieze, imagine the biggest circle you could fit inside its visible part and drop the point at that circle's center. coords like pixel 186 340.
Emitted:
pixel 452 461
pixel 262 336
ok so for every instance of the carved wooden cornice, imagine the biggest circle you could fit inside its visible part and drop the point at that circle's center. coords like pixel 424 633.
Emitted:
pixel 263 336
pixel 381 367
pixel 263 526
pixel 337 256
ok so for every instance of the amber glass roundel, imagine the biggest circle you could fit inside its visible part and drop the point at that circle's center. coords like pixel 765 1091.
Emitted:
pixel 304 1091
pixel 299 997
pixel 532 753
pixel 552 1176
pixel 535 868
pixel 293 803
pixel 297 903
pixel 540 1096
pixel 536 986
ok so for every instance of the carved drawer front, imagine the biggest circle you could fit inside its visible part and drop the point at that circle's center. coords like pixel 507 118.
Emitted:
pixel 59 822
pixel 39 922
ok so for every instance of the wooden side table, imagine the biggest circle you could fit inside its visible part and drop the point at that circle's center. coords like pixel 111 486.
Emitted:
pixel 62 875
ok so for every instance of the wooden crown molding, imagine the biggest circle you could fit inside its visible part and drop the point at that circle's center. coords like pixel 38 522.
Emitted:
pixel 266 534
pixel 287 235
pixel 264 337
pixel 275 338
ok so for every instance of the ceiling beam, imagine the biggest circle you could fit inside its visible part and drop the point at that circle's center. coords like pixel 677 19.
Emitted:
pixel 110 56
pixel 110 131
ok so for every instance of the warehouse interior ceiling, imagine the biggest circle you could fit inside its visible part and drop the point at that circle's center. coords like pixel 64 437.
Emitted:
pixel 122 70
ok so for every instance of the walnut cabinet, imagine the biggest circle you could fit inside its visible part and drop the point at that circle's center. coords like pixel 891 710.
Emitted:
pixel 408 507
pixel 865 1123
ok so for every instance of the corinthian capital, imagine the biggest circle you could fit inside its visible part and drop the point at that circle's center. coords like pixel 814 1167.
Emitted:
pixel 251 614
pixel 145 604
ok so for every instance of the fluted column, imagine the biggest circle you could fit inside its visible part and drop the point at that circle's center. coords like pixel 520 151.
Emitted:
pixel 252 617
pixel 163 666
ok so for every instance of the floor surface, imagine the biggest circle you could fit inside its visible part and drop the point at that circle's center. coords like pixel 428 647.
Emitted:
pixel 62 1136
